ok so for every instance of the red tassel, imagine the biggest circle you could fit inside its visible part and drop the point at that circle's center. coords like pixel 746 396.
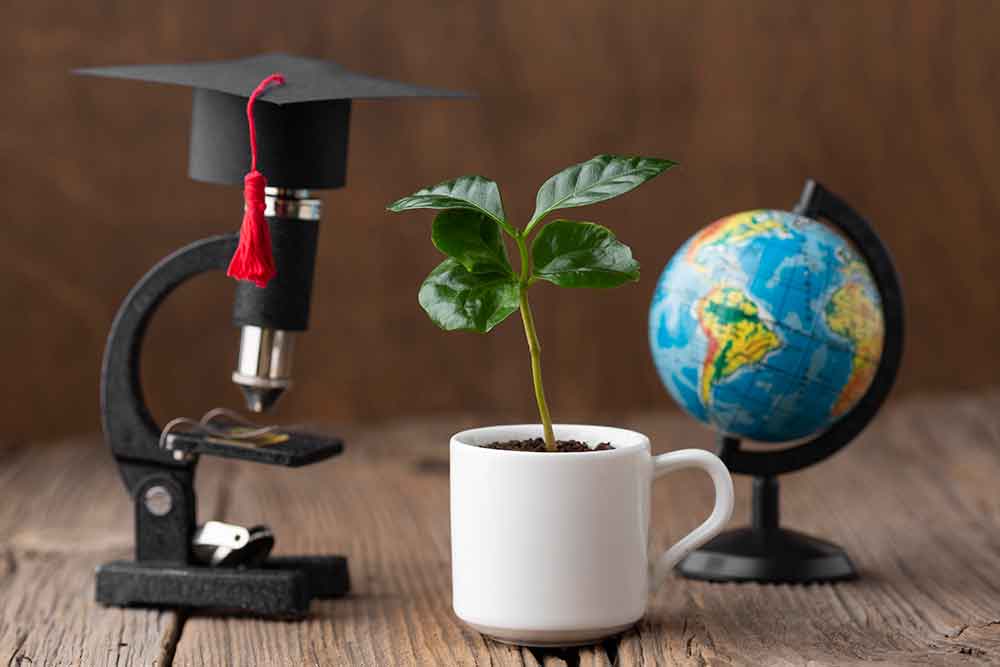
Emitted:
pixel 254 258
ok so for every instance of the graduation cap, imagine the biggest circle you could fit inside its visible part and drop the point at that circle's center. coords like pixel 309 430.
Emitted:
pixel 297 110
pixel 302 125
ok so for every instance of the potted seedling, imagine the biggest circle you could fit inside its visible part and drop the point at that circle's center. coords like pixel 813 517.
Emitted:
pixel 549 522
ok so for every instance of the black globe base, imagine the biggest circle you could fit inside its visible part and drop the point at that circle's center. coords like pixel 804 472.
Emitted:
pixel 782 556
pixel 765 552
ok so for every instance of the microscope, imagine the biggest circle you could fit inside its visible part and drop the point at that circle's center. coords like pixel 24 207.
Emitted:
pixel 219 565
pixel 303 127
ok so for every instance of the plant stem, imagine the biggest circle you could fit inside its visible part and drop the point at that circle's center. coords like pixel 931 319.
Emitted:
pixel 533 347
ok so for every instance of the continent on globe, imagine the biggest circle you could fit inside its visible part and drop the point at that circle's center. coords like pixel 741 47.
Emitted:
pixel 735 230
pixel 853 314
pixel 737 337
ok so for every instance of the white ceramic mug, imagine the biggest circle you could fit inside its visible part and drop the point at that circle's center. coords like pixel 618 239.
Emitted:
pixel 552 549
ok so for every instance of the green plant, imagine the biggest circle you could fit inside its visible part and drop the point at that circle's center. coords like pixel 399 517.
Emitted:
pixel 476 288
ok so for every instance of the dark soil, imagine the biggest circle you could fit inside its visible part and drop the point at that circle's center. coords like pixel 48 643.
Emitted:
pixel 538 445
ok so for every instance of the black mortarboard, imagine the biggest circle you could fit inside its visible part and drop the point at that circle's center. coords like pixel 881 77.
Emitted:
pixel 302 126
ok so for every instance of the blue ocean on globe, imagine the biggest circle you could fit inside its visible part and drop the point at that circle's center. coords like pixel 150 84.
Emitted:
pixel 766 325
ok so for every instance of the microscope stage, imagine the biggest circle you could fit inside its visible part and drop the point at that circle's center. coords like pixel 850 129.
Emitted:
pixel 296 449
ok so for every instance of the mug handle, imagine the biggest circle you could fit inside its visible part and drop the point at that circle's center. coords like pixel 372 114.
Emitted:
pixel 713 525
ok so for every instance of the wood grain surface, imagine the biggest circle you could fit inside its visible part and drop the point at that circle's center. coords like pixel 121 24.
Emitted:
pixel 891 103
pixel 915 503
pixel 62 512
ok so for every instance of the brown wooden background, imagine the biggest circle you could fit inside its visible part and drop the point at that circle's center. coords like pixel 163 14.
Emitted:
pixel 892 104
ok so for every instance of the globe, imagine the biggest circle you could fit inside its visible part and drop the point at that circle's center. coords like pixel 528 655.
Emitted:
pixel 766 325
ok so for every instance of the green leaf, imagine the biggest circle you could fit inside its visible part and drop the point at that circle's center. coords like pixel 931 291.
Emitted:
pixel 457 300
pixel 582 254
pixel 470 192
pixel 473 239
pixel 597 179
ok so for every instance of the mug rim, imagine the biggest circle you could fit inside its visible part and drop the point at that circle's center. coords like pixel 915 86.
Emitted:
pixel 630 442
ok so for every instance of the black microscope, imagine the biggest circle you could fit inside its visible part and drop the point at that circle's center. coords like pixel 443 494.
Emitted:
pixel 303 131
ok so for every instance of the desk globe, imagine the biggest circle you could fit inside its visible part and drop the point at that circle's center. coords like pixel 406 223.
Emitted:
pixel 775 327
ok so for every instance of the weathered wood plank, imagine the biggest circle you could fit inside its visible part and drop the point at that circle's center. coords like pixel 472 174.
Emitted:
pixel 915 502
pixel 64 511
pixel 385 505
pixel 909 501
pixel 48 617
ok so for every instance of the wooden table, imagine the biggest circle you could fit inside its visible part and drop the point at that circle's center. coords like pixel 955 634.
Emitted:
pixel 916 502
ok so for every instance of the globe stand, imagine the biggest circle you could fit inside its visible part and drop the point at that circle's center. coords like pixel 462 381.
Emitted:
pixel 765 552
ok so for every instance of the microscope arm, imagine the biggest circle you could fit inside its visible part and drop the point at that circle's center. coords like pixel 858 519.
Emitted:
pixel 128 427
pixel 162 487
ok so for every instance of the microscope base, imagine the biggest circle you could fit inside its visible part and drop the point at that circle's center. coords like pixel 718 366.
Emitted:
pixel 281 587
